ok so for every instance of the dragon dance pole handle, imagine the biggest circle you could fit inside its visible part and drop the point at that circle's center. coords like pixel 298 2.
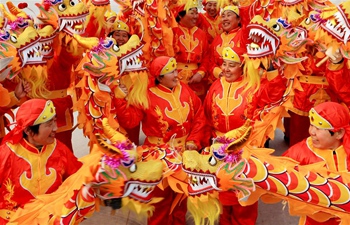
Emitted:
pixel 322 61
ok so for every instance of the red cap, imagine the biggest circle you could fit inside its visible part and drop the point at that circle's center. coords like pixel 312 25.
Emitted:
pixel 337 117
pixel 162 65
pixel 31 112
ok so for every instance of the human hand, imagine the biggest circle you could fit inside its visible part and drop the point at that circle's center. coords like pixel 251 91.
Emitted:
pixel 334 55
pixel 191 146
pixel 22 89
pixel 196 78
pixel 123 88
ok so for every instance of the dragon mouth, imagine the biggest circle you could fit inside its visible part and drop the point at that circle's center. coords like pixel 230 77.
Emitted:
pixel 73 25
pixel 140 191
pixel 31 54
pixel 131 61
pixel 138 6
pixel 46 47
pixel 200 183
pixel 263 42
pixel 338 27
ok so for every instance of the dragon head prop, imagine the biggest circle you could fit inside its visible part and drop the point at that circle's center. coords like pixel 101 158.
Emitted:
pixel 24 46
pixel 102 68
pixel 218 168
pixel 310 190
pixel 335 31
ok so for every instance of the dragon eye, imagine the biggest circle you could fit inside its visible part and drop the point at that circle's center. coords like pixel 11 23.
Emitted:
pixel 307 21
pixel 13 39
pixel 276 27
pixel 212 161
pixel 133 168
pixel 116 48
pixel 62 7
pixel 73 2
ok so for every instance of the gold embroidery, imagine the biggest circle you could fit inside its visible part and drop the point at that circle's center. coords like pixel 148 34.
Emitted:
pixel 228 103
pixel 160 120
pixel 188 41
pixel 40 181
pixel 320 96
pixel 179 110
pixel 10 204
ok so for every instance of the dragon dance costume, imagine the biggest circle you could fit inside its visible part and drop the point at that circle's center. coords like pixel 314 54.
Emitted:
pixel 333 117
pixel 211 26
pixel 191 53
pixel 234 38
pixel 227 106
pixel 26 171
pixel 175 117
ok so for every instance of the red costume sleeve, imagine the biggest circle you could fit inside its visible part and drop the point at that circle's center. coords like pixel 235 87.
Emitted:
pixel 338 77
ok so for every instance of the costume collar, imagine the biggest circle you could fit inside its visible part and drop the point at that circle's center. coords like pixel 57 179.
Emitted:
pixel 329 156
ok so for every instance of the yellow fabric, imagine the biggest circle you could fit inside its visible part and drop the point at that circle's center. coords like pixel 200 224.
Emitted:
pixel 6 214
pixel 169 67
pixel 173 142
pixel 217 71
pixel 57 94
pixel 328 156
pixel 313 80
pixel 229 54
pixel 232 8
pixel 47 114
pixel 318 121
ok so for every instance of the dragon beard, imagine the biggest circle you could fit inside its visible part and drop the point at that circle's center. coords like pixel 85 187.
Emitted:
pixel 204 212
pixel 36 76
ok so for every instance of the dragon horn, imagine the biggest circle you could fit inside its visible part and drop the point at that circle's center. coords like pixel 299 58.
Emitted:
pixel 241 135
pixel 113 135
pixel 240 142
pixel 87 43
pixel 238 132
pixel 15 11
pixel 6 14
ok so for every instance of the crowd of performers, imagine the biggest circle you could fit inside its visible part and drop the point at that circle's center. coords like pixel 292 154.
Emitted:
pixel 209 88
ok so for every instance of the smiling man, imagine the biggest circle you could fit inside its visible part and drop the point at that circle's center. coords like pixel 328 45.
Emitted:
pixel 233 35
pixel 329 141
pixel 210 21
pixel 32 161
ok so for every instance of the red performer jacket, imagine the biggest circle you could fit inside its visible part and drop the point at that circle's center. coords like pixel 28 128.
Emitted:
pixel 338 77
pixel 190 47
pixel 336 160
pixel 211 26
pixel 236 37
pixel 315 87
pixel 26 172
pixel 176 113
pixel 227 107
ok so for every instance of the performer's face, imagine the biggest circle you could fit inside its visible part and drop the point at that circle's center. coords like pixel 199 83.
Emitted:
pixel 230 20
pixel 231 70
pixel 323 139
pixel 169 80
pixel 190 19
pixel 45 135
pixel 211 9
pixel 121 37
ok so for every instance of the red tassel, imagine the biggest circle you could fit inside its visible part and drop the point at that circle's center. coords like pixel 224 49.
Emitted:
pixel 22 5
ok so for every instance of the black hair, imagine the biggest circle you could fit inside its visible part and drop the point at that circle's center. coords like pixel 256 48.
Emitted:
pixel 110 34
pixel 156 81
pixel 331 132
pixel 34 129
pixel 180 15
